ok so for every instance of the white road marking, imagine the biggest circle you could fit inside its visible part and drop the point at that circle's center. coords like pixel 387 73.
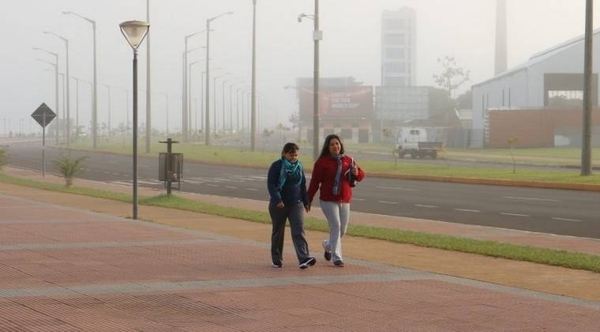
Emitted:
pixel 397 188
pixel 251 189
pixel 426 206
pixel 230 187
pixel 566 219
pixel 513 214
pixel 358 199
pixel 531 199
pixel 467 210
pixel 387 202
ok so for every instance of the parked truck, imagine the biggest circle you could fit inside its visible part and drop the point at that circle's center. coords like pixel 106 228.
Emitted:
pixel 413 141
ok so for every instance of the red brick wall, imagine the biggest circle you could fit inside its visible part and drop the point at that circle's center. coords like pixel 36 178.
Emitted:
pixel 532 127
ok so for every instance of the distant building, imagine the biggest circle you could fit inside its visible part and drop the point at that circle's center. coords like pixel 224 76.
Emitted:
pixel 398 47
pixel 345 108
pixel 400 104
pixel 547 78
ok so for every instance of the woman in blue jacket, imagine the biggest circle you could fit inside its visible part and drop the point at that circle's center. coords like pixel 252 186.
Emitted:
pixel 286 183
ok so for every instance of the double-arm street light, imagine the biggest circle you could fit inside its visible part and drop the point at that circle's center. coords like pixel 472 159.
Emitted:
pixel 55 85
pixel 68 101
pixel 185 114
pixel 95 89
pixel 134 32
pixel 317 36
pixel 207 108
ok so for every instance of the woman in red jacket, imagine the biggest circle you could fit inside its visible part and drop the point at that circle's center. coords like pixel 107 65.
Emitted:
pixel 334 174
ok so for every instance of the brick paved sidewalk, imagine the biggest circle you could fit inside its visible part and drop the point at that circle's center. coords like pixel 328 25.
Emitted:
pixel 536 277
pixel 63 268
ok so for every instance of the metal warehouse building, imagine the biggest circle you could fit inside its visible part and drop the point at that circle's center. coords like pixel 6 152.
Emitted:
pixel 556 72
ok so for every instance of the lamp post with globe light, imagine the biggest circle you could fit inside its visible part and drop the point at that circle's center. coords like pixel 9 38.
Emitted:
pixel 134 32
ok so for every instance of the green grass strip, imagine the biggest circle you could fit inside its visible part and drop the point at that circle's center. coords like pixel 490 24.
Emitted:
pixel 554 257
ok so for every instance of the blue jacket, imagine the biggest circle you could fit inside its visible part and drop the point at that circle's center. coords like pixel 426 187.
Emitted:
pixel 291 193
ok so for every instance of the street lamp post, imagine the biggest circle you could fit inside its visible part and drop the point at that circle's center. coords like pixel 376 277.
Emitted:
pixel 215 100
pixel 76 108
pixel 201 103
pixel 237 108
pixel 134 32
pixel 55 85
pixel 68 101
pixel 148 84
pixel 95 89
pixel 586 150
pixel 253 107
pixel 189 93
pixel 317 36
pixel 223 102
pixel 231 107
pixel 185 114
pixel 207 108
pixel 109 110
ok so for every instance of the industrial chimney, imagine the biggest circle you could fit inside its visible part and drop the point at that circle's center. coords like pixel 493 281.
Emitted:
pixel 500 60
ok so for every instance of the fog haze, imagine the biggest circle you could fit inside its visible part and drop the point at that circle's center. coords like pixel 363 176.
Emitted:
pixel 350 47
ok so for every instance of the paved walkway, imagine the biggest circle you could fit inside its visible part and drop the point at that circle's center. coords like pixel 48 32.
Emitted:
pixel 75 263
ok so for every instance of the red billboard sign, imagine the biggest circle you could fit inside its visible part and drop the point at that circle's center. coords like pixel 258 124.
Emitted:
pixel 341 102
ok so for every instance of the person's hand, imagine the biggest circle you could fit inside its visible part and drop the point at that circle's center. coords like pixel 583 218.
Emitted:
pixel 307 208
pixel 354 170
pixel 280 205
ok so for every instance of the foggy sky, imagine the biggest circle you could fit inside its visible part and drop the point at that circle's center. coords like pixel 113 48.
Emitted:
pixel 350 47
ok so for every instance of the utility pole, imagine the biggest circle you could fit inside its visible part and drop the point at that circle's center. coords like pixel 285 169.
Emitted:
pixel 586 150
pixel 253 106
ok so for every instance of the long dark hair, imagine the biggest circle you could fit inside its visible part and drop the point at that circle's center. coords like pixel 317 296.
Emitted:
pixel 325 149
pixel 290 147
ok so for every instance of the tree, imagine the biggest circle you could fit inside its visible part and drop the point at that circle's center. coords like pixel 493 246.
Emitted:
pixel 452 75
pixel 466 100
pixel 439 101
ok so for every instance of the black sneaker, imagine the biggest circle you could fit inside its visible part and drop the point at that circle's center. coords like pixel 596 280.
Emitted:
pixel 310 261
pixel 338 263
pixel 276 265
pixel 327 253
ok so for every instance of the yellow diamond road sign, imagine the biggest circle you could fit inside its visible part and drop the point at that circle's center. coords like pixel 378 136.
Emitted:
pixel 43 115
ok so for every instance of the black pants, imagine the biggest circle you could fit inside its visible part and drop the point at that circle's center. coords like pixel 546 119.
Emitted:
pixel 279 216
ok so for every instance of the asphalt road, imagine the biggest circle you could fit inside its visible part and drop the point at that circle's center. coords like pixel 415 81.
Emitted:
pixel 564 212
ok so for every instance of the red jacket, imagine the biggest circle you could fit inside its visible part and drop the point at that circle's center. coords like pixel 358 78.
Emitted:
pixel 323 176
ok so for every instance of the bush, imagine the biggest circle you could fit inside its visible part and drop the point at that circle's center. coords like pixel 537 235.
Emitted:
pixel 69 168
pixel 3 158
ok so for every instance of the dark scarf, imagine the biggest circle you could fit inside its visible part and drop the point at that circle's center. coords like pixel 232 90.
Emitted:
pixel 338 174
pixel 292 170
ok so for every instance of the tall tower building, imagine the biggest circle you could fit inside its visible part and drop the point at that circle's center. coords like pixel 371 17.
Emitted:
pixel 398 47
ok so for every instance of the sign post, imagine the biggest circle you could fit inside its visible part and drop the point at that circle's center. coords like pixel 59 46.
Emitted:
pixel 43 115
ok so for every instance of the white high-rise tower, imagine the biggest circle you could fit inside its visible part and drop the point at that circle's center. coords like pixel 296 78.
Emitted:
pixel 398 47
